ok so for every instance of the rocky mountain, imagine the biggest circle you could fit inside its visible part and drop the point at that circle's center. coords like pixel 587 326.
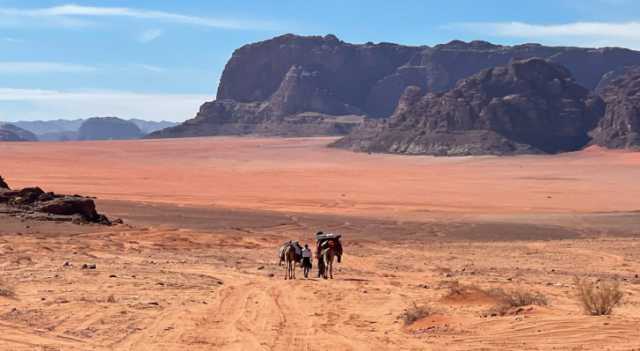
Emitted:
pixel 620 127
pixel 108 128
pixel 67 130
pixel 274 86
pixel 527 106
pixel 9 132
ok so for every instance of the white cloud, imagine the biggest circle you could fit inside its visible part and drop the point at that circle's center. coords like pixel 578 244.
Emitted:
pixel 12 40
pixel 150 68
pixel 75 16
pixel 626 34
pixel 17 67
pixel 150 35
pixel 51 104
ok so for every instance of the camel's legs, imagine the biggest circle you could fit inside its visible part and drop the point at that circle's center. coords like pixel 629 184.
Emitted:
pixel 293 270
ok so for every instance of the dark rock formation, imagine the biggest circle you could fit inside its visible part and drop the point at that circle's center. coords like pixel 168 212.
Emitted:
pixel 24 202
pixel 620 127
pixel 228 117
pixel 9 132
pixel 108 128
pixel 371 77
pixel 291 75
pixel 529 106
pixel 73 205
pixel 256 71
pixel 3 184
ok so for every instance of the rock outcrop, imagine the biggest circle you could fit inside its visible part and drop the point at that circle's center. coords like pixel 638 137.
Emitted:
pixel 29 201
pixel 620 127
pixel 291 75
pixel 108 128
pixel 10 132
pixel 528 106
pixel 228 117
pixel 3 184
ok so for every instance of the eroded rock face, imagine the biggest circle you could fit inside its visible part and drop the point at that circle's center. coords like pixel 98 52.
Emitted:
pixel 529 106
pixel 268 82
pixel 620 127
pixel 372 77
pixel 228 117
pixel 256 71
pixel 108 128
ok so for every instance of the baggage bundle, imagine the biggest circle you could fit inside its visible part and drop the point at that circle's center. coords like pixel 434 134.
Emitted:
pixel 327 236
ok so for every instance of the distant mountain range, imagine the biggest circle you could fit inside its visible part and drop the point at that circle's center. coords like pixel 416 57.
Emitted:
pixel 70 129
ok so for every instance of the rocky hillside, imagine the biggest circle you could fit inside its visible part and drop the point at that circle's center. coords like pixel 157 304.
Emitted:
pixel 296 85
pixel 620 127
pixel 108 128
pixel 528 106
pixel 9 132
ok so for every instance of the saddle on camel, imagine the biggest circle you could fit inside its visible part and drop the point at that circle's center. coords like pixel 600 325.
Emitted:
pixel 328 246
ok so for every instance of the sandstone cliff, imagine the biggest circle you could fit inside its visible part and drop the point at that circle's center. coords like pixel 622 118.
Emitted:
pixel 620 127
pixel 528 106
pixel 297 86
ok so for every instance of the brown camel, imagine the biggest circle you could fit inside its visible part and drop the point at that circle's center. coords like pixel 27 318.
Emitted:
pixel 291 259
pixel 327 256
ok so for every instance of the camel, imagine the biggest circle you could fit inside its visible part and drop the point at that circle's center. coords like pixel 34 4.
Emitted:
pixel 327 255
pixel 291 258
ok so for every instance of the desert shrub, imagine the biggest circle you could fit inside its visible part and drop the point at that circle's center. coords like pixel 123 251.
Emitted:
pixel 111 299
pixel 507 301
pixel 414 313
pixel 598 299
pixel 456 290
pixel 520 298
pixel 7 290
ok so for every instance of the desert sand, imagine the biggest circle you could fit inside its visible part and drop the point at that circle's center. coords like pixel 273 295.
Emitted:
pixel 194 266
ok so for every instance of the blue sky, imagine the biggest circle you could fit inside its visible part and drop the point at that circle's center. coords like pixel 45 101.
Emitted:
pixel 162 59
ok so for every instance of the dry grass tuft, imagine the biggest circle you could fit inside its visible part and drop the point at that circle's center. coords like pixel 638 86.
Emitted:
pixel 598 298
pixel 415 313
pixel 514 299
pixel 458 291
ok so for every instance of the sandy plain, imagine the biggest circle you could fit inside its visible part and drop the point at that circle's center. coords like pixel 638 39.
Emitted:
pixel 194 267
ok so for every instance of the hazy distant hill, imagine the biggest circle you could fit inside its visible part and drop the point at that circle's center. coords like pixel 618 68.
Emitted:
pixel 53 126
pixel 66 130
pixel 10 132
pixel 108 128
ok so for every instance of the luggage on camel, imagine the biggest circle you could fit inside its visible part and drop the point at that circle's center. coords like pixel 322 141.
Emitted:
pixel 323 240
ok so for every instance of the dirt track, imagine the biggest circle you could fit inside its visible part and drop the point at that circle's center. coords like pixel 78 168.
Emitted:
pixel 186 275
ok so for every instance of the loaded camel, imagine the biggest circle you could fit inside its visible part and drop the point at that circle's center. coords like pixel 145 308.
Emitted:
pixel 328 248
